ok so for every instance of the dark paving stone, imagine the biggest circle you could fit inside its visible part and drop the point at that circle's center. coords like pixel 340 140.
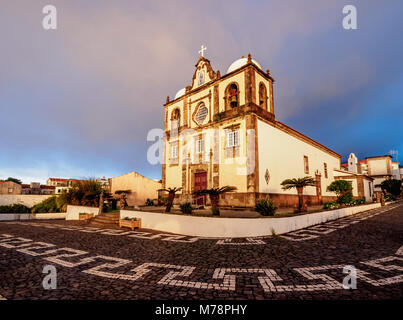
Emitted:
pixel 377 237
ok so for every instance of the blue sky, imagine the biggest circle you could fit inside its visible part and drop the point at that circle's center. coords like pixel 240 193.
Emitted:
pixel 79 101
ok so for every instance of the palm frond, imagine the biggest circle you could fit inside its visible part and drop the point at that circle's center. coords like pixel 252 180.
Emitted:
pixel 298 183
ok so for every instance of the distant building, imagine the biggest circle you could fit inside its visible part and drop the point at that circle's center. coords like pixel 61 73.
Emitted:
pixel 10 187
pixel 104 182
pixel 140 187
pixel 379 168
pixel 363 185
pixel 60 182
pixel 37 188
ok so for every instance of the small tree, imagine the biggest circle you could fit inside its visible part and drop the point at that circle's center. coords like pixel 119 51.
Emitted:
pixel 171 197
pixel 123 197
pixel 391 186
pixel 299 184
pixel 342 189
pixel 214 194
pixel 17 181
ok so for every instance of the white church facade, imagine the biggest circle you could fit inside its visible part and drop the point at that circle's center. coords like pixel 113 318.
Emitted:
pixel 221 130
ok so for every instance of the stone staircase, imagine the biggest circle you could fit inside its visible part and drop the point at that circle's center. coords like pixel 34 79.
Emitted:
pixel 106 220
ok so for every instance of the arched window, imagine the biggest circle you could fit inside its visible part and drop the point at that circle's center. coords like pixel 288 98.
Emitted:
pixel 175 119
pixel 232 96
pixel 262 96
pixel 201 114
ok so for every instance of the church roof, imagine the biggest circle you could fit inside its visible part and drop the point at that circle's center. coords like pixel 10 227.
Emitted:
pixel 240 63
pixel 180 93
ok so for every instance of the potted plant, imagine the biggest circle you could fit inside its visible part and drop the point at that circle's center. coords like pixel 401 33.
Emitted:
pixel 85 216
pixel 131 223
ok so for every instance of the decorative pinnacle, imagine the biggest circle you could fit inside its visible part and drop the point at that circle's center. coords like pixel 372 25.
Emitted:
pixel 249 58
pixel 167 99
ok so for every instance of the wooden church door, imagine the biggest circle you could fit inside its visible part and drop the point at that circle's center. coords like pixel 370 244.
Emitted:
pixel 200 184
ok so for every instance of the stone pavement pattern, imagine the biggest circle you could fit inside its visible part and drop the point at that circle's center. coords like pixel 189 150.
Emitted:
pixel 95 263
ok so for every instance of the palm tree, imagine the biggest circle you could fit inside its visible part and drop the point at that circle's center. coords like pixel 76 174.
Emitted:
pixel 171 197
pixel 299 184
pixel 123 197
pixel 214 194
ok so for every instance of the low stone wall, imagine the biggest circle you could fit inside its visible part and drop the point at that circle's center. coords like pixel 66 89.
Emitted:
pixel 28 200
pixel 73 212
pixel 237 227
pixel 29 216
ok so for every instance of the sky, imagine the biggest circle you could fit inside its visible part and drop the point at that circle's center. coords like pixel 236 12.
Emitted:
pixel 78 101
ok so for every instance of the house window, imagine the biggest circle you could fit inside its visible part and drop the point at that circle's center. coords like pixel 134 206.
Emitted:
pixel 10 190
pixel 232 138
pixel 199 146
pixel 232 96
pixel 232 147
pixel 306 165
pixel 325 169
pixel 262 96
pixel 201 114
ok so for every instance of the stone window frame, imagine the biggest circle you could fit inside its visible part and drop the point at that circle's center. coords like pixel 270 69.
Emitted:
pixel 306 164
pixel 175 116
pixel 197 110
pixel 226 95
pixel 265 98
pixel 233 151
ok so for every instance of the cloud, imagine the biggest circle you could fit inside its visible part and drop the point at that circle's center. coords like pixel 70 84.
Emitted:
pixel 82 98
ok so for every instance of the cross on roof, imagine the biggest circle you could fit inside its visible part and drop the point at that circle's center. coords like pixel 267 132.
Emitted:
pixel 201 51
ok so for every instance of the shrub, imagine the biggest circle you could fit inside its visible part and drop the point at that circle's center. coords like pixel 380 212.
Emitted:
pixel 342 189
pixel 357 202
pixel 390 197
pixel 46 206
pixel 266 207
pixel 331 205
pixel 15 208
pixel 129 219
pixel 391 186
pixel 346 198
pixel 149 202
pixel 186 208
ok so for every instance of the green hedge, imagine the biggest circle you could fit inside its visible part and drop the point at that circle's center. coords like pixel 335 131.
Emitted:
pixel 48 205
pixel 15 208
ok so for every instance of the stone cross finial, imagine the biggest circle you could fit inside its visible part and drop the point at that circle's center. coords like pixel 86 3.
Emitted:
pixel 201 51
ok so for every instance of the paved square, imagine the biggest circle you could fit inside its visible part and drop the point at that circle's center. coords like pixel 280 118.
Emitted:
pixel 95 263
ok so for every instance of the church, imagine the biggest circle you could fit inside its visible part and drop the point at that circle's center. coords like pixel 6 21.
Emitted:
pixel 221 130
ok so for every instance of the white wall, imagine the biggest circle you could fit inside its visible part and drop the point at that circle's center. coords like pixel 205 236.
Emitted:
pixel 283 155
pixel 73 212
pixel 28 200
pixel 236 227
pixel 29 216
